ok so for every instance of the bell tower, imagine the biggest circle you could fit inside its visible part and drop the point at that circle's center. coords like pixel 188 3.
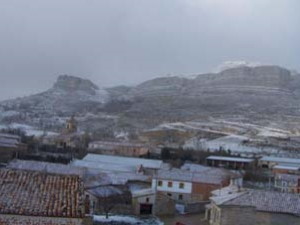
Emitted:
pixel 71 125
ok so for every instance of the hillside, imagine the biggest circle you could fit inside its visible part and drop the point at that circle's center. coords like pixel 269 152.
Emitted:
pixel 257 94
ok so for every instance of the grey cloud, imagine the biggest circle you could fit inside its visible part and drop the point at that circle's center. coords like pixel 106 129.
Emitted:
pixel 115 42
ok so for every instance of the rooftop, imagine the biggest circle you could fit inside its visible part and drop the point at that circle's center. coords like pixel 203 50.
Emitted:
pixel 10 136
pixel 40 194
pixel 110 144
pixel 116 163
pixel 203 174
pixel 55 168
pixel 9 140
pixel 231 159
pixel 266 201
pixel 280 160
pixel 287 167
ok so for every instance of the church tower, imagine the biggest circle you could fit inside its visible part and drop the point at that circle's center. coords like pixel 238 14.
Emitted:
pixel 71 125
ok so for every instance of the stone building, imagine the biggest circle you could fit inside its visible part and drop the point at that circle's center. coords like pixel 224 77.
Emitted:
pixel 289 183
pixel 148 202
pixel 269 162
pixel 286 169
pixel 10 147
pixel 232 205
pixel 191 185
pixel 230 162
pixel 37 198
pixel 118 148
pixel 71 126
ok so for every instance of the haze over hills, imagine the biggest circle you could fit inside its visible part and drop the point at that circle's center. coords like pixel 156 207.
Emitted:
pixel 256 94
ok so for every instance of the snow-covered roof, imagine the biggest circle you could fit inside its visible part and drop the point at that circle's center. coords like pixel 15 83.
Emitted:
pixel 280 160
pixel 266 201
pixel 103 166
pixel 110 144
pixel 10 136
pixel 231 159
pixel 55 168
pixel 287 167
pixel 106 191
pixel 31 193
pixel 115 162
pixel 95 178
pixel 9 140
pixel 207 175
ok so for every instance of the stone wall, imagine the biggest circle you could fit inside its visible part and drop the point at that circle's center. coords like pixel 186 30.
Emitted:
pixel 238 216
pixel 36 220
pixel 230 215
pixel 204 190
pixel 7 154
pixel 276 219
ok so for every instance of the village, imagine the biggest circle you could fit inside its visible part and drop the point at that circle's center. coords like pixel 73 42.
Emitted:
pixel 121 182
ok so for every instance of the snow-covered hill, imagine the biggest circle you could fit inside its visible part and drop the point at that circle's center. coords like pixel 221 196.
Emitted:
pixel 259 93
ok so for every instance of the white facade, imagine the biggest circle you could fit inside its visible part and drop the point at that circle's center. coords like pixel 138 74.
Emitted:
pixel 177 186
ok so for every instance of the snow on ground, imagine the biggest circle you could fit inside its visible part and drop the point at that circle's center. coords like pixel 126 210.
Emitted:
pixel 226 128
pixel 236 64
pixel 234 143
pixel 262 131
pixel 29 130
pixel 8 113
pixel 186 126
pixel 127 219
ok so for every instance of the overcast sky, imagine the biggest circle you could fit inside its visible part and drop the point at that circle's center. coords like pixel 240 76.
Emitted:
pixel 115 42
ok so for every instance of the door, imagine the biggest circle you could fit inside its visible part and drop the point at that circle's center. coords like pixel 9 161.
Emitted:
pixel 145 209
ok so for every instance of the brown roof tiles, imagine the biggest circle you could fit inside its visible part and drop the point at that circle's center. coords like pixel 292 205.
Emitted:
pixel 40 194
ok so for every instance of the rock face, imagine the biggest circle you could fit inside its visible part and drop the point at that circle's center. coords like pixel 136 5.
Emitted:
pixel 69 95
pixel 244 90
pixel 74 84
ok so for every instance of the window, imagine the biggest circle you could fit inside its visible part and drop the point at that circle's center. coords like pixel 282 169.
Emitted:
pixel 170 184
pixel 180 197
pixel 169 194
pixel 160 183
pixel 147 200
pixel 181 185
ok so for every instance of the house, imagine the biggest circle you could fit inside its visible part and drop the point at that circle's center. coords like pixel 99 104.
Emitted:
pixel 269 162
pixel 107 192
pixel 233 205
pixel 286 169
pixel 118 148
pixel 10 147
pixel 229 162
pixel 29 197
pixel 109 199
pixel 192 184
pixel 289 183
pixel 148 202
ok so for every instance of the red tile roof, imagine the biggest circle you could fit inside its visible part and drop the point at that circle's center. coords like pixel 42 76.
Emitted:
pixel 40 194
